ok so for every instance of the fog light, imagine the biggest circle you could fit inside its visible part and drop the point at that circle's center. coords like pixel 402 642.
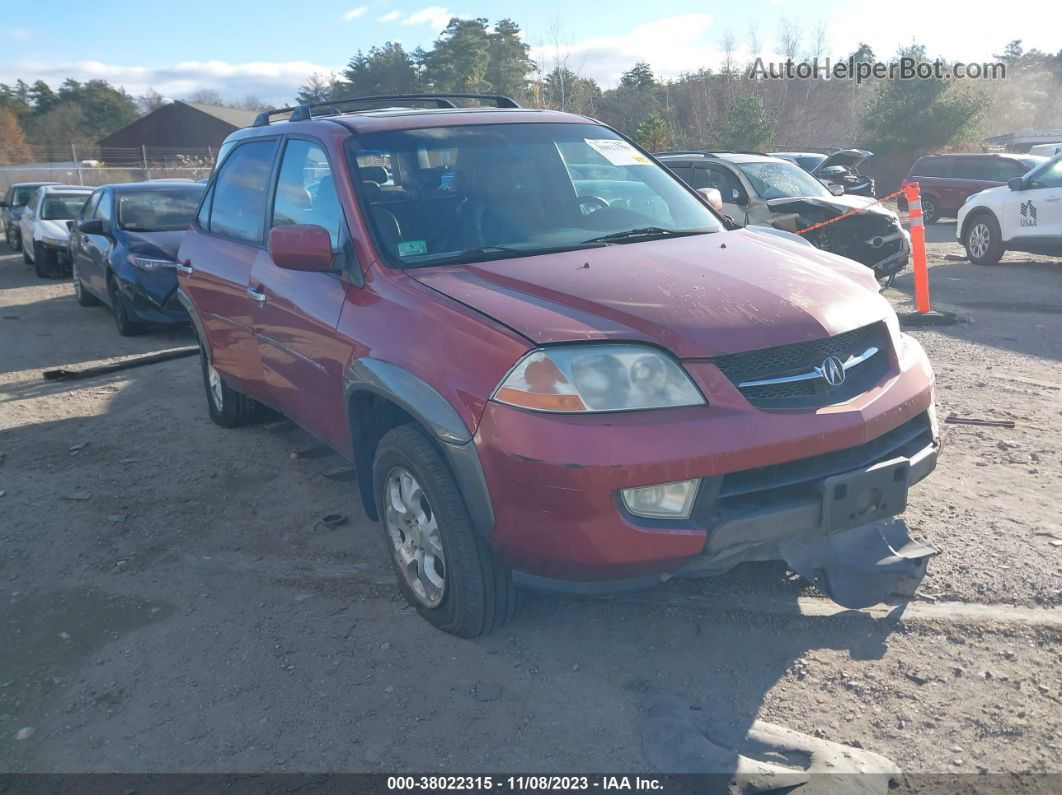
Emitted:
pixel 666 501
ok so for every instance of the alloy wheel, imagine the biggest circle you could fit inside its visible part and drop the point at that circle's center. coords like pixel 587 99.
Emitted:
pixel 214 379
pixel 77 282
pixel 979 239
pixel 415 538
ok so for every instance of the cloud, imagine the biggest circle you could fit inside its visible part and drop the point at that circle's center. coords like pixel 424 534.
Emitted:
pixel 18 34
pixel 353 13
pixel 390 16
pixel 436 16
pixel 271 81
pixel 671 46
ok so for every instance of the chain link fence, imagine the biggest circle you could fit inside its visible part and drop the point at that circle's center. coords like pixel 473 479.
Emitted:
pixel 94 165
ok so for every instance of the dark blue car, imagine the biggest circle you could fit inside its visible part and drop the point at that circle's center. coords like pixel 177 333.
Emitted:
pixel 123 247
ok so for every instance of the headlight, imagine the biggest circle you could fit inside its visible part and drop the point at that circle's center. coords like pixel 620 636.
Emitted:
pixel 604 377
pixel 56 241
pixel 148 264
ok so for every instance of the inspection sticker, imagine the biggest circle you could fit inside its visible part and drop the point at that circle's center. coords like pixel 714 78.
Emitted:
pixel 409 248
pixel 618 153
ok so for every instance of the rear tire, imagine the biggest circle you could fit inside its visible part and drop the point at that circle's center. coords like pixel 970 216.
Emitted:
pixel 930 211
pixel 125 325
pixel 26 256
pixel 477 595
pixel 13 240
pixel 228 408
pixel 983 240
pixel 83 296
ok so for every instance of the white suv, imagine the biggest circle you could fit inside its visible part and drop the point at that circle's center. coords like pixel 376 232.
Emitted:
pixel 44 232
pixel 1023 215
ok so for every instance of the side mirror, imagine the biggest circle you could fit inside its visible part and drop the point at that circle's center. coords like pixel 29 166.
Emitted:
pixel 714 198
pixel 835 189
pixel 92 227
pixel 737 197
pixel 70 225
pixel 301 247
pixel 4 204
pixel 1016 184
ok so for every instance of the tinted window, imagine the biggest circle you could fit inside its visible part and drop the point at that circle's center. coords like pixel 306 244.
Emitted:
pixel 21 196
pixel 62 206
pixel 684 172
pixel 239 204
pixel 931 167
pixel 726 183
pixel 1006 169
pixel 982 168
pixel 306 190
pixel 105 209
pixel 90 206
pixel 1050 177
pixel 157 210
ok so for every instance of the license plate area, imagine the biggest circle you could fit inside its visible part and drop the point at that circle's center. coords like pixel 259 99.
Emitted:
pixel 856 498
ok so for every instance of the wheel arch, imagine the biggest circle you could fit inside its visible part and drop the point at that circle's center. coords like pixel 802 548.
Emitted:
pixel 380 396
pixel 975 213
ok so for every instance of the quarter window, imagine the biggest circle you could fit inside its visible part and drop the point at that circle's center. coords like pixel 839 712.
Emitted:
pixel 306 190
pixel 931 167
pixel 239 201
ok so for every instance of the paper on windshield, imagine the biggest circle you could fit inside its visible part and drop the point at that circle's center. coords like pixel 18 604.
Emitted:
pixel 618 153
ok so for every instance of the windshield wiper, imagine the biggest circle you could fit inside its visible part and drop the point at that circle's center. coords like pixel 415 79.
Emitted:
pixel 484 253
pixel 644 233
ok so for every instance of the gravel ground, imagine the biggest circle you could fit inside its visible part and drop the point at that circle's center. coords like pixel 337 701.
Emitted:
pixel 171 601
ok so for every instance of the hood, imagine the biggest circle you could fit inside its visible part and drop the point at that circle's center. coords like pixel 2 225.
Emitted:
pixel 828 206
pixel 698 296
pixel 54 229
pixel 162 245
pixel 849 158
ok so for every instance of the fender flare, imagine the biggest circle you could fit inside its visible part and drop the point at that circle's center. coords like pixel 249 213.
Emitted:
pixel 437 416
pixel 972 213
pixel 197 323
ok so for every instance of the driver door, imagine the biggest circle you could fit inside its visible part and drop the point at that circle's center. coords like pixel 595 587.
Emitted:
pixel 1036 211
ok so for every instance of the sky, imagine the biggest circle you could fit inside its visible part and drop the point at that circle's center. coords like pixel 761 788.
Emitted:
pixel 268 47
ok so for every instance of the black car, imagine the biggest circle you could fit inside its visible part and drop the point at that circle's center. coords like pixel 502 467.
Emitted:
pixel 124 250
pixel 838 168
pixel 11 210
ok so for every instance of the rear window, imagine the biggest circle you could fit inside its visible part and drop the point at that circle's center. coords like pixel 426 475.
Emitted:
pixel 931 167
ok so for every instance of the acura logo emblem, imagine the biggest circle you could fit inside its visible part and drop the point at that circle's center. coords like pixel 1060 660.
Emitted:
pixel 832 371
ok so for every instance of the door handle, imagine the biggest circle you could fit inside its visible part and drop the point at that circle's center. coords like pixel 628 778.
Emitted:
pixel 1051 199
pixel 256 295
pixel 185 267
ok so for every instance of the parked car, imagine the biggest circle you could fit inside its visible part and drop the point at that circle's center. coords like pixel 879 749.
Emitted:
pixel 11 210
pixel 1046 150
pixel 946 181
pixel 124 249
pixel 44 231
pixel 769 191
pixel 1023 215
pixel 838 168
pixel 547 388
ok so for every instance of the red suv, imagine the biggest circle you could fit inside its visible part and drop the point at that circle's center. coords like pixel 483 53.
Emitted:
pixel 551 362
pixel 945 182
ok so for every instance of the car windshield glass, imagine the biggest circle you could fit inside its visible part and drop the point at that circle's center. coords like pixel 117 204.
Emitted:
pixel 62 206
pixel 158 210
pixel 473 193
pixel 778 179
pixel 21 196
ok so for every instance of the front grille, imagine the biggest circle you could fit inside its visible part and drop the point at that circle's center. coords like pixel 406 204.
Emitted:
pixel 853 238
pixel 754 489
pixel 803 357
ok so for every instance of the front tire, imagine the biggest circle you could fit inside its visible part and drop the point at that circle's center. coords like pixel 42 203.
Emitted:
pixel 983 240
pixel 45 263
pixel 228 408
pixel 443 567
pixel 13 240
pixel 125 325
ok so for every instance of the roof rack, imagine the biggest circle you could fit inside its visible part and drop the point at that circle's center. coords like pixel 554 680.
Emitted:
pixel 305 112
pixel 701 152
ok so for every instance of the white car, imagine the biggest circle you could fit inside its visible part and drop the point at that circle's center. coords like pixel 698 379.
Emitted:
pixel 45 234
pixel 1023 215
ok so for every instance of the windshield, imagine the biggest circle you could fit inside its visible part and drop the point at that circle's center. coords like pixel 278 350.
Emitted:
pixel 62 206
pixel 468 193
pixel 158 210
pixel 780 179
pixel 21 195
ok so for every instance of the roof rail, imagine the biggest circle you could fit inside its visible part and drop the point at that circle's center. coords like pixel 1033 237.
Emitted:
pixel 703 152
pixel 305 112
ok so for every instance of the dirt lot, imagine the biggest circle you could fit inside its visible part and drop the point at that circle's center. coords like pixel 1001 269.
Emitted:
pixel 171 601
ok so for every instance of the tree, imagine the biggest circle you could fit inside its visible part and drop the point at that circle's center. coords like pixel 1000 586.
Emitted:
pixel 746 125
pixel 509 65
pixel 639 76
pixel 460 58
pixel 563 89
pixel 151 100
pixel 383 70
pixel 921 115
pixel 316 88
pixel 205 96
pixel 653 133
pixel 13 146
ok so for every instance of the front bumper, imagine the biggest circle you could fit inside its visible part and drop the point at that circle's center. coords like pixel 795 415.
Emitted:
pixel 151 297
pixel 554 479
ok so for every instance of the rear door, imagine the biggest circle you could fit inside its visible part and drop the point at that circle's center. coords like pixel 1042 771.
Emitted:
pixel 297 312
pixel 79 241
pixel 969 175
pixel 29 213
pixel 216 257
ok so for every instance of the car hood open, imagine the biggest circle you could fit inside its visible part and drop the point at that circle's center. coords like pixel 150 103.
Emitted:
pixel 698 296
pixel 849 158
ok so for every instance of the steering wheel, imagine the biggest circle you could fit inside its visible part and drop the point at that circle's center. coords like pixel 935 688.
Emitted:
pixel 589 204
